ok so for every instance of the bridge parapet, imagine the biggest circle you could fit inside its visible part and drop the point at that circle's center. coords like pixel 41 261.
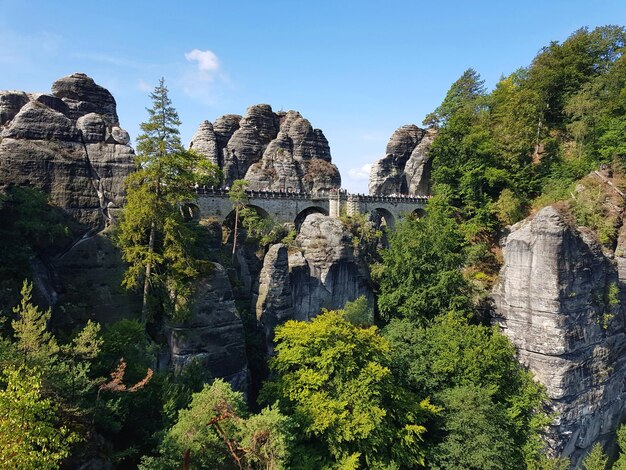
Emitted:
pixel 403 198
pixel 269 194
pixel 292 207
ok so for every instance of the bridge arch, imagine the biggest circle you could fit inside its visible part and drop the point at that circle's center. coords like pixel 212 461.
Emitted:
pixel 306 212
pixel 418 213
pixel 382 217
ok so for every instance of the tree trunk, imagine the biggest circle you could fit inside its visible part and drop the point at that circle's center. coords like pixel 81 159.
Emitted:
pixel 235 232
pixel 146 281
pixel 186 460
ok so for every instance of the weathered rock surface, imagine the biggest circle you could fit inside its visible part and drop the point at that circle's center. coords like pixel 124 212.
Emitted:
pixel 83 96
pixel 558 299
pixel 214 333
pixel 204 142
pixel 405 168
pixel 69 144
pixel 89 282
pixel 10 104
pixel 273 151
pixel 274 303
pixel 324 273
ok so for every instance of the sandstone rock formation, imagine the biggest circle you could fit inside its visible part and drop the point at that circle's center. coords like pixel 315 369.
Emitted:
pixel 274 303
pixel 324 272
pixel 561 302
pixel 405 168
pixel 214 332
pixel 69 144
pixel 273 151
pixel 89 284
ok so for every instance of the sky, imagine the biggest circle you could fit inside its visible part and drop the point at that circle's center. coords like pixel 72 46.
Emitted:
pixel 358 70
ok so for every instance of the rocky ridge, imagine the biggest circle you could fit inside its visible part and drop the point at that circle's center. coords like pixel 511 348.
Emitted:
pixel 561 301
pixel 405 168
pixel 69 144
pixel 272 151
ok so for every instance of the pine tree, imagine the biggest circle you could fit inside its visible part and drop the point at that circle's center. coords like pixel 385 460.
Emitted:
pixel 596 459
pixel 32 337
pixel 155 239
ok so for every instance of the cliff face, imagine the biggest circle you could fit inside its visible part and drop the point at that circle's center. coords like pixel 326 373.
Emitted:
pixel 405 168
pixel 273 151
pixel 214 333
pixel 69 144
pixel 561 302
pixel 319 271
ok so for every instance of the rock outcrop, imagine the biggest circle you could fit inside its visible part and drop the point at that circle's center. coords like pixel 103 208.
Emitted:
pixel 214 333
pixel 272 151
pixel 324 272
pixel 405 168
pixel 88 278
pixel 561 301
pixel 69 144
pixel 274 303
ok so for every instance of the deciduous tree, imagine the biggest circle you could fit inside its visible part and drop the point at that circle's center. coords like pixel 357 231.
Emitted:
pixel 335 379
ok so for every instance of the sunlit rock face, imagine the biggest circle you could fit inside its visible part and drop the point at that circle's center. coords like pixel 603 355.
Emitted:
pixel 69 144
pixel 406 166
pixel 271 150
pixel 324 271
pixel 560 300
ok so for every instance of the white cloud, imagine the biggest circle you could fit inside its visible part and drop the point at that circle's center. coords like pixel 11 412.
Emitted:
pixel 142 85
pixel 203 78
pixel 361 173
pixel 208 63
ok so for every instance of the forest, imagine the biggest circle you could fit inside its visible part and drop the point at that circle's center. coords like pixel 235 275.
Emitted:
pixel 419 379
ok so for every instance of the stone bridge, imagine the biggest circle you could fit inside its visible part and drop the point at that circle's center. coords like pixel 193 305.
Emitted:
pixel 292 207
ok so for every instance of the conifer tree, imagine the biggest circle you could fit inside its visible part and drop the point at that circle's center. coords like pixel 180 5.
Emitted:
pixel 33 339
pixel 30 433
pixel 154 237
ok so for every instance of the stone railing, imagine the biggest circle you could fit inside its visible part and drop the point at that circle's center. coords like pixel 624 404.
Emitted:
pixel 267 194
pixel 407 198
pixel 342 193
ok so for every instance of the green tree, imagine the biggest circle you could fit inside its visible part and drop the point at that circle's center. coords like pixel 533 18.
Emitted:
pixel 208 173
pixel 476 434
pixel 420 275
pixel 215 431
pixel 32 337
pixel 335 379
pixel 153 235
pixel 620 463
pixel 239 199
pixel 549 463
pixel 596 459
pixel 30 436
pixel 463 91
pixel 452 353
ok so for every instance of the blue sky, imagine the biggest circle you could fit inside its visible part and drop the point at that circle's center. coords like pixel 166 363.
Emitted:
pixel 356 69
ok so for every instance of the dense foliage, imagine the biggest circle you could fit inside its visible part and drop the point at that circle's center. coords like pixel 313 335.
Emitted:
pixel 525 144
pixel 335 379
